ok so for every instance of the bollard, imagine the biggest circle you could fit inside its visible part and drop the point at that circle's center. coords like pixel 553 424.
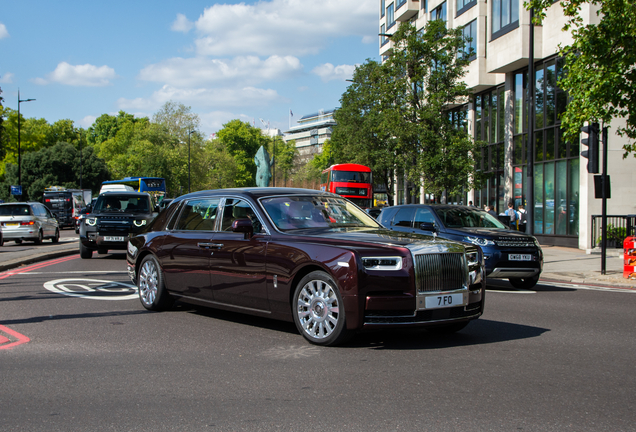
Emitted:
pixel 629 267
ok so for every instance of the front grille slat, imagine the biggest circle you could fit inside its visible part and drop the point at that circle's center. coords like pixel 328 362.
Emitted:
pixel 440 272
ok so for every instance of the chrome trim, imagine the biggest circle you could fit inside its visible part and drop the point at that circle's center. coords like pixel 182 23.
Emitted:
pixel 469 317
pixel 505 273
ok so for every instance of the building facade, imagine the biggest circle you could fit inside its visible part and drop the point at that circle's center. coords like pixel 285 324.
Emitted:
pixel 310 134
pixel 498 114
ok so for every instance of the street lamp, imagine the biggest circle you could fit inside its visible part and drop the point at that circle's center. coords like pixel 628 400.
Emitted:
pixel 19 149
pixel 189 133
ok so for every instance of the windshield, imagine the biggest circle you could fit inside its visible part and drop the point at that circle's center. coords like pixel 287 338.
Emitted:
pixel 459 217
pixel 351 176
pixel 299 212
pixel 129 204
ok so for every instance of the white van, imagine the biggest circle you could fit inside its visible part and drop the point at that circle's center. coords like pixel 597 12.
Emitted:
pixel 116 188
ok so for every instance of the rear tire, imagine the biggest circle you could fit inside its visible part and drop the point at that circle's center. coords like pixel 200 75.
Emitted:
pixel 56 237
pixel 85 253
pixel 152 291
pixel 318 310
pixel 524 283
pixel 38 241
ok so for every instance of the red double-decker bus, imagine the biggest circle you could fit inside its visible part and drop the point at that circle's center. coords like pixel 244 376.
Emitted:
pixel 351 181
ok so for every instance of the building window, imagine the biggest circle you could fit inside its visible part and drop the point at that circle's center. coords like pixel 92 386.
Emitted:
pixel 390 16
pixel 464 5
pixel 439 12
pixel 423 5
pixel 384 39
pixel 470 38
pixel 505 16
pixel 400 3
pixel 381 8
pixel 556 161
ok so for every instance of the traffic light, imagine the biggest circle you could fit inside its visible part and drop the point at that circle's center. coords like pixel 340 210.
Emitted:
pixel 592 131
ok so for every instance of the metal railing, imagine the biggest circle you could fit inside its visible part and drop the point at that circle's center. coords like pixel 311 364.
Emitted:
pixel 618 227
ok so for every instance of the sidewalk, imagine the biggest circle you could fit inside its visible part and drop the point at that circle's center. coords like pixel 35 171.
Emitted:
pixel 560 263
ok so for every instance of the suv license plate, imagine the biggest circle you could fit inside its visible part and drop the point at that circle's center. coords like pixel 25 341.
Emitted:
pixel 114 238
pixel 444 300
pixel 519 257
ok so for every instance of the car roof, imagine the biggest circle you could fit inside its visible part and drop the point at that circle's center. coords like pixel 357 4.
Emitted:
pixel 440 206
pixel 257 192
pixel 125 193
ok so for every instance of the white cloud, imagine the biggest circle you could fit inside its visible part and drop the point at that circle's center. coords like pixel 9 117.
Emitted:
pixel 199 71
pixel 87 121
pixel 6 78
pixel 80 75
pixel 201 97
pixel 4 33
pixel 182 24
pixel 282 27
pixel 329 72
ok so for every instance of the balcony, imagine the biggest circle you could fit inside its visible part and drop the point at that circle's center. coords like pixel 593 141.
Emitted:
pixel 406 9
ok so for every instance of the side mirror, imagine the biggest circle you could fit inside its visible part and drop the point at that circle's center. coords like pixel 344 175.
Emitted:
pixel 428 226
pixel 243 225
pixel 88 209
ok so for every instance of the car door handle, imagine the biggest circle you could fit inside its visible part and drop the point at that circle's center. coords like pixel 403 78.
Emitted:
pixel 210 245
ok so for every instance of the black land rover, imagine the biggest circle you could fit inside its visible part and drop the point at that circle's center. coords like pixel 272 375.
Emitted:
pixel 114 218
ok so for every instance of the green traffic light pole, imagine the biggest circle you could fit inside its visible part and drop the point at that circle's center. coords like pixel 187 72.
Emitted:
pixel 19 149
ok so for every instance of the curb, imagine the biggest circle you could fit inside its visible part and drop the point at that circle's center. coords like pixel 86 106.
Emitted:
pixel 42 256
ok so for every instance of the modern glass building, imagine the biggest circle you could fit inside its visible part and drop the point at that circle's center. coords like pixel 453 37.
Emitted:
pixel 498 114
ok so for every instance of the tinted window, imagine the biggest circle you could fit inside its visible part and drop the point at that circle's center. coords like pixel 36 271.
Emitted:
pixel 423 214
pixel 15 210
pixel 404 217
pixel 238 209
pixel 457 217
pixel 351 176
pixel 199 215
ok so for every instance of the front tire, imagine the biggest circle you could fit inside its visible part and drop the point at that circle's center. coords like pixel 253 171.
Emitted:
pixel 152 291
pixel 318 310
pixel 524 283
pixel 85 253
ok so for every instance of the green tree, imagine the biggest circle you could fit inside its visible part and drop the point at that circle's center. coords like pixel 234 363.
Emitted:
pixel 58 165
pixel 600 76
pixel 106 126
pixel 396 115
pixel 178 119
pixel 2 134
pixel 243 141
pixel 32 137
pixel 285 154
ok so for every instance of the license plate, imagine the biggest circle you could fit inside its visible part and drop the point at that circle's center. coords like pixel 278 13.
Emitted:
pixel 114 238
pixel 444 300
pixel 12 225
pixel 519 257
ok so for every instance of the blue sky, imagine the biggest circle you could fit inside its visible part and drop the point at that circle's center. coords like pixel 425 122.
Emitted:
pixel 249 60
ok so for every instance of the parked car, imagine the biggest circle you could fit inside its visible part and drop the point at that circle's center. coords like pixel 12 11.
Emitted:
pixel 113 218
pixel 164 203
pixel 30 221
pixel 509 254
pixel 305 256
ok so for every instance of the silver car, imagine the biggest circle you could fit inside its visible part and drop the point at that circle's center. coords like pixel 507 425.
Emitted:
pixel 29 221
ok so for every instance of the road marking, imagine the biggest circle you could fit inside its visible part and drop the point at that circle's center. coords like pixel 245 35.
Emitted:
pixel 37 266
pixel 3 339
pixel 78 272
pixel 93 289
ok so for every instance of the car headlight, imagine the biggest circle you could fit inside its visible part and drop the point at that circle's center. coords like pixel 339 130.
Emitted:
pixel 472 258
pixel 382 263
pixel 91 221
pixel 139 223
pixel 479 241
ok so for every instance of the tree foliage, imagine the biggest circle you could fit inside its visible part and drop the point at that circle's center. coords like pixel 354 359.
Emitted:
pixel 600 77
pixel 243 141
pixel 395 115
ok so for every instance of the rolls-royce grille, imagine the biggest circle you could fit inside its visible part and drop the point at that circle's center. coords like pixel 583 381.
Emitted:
pixel 440 272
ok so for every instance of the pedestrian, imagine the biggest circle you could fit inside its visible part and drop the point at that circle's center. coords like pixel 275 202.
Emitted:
pixel 470 204
pixel 512 214
pixel 523 218
pixel 491 211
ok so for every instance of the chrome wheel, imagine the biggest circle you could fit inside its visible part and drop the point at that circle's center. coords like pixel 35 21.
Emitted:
pixel 318 309
pixel 148 283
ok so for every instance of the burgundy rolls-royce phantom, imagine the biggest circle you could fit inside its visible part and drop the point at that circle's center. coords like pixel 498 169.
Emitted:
pixel 305 256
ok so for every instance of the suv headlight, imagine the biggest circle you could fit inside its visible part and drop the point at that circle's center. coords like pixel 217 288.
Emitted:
pixel 139 223
pixel 479 241
pixel 91 221
pixel 382 263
